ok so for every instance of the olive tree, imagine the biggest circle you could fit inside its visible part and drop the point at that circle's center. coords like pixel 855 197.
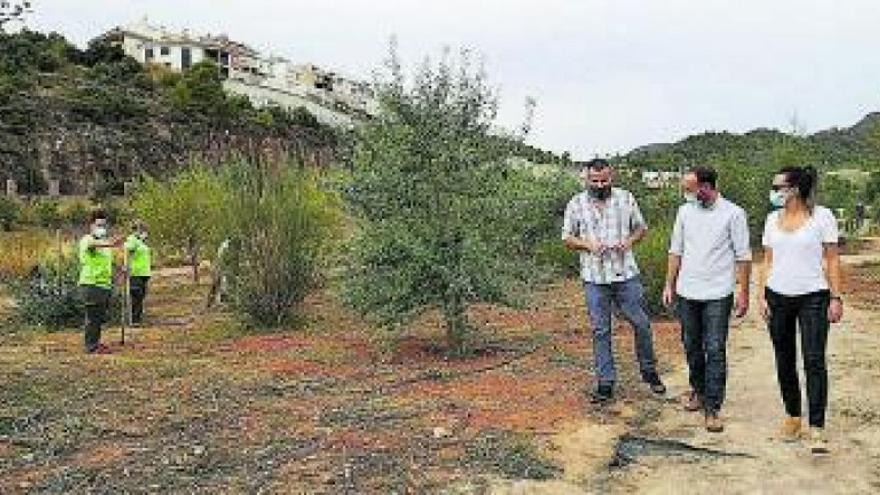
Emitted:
pixel 432 197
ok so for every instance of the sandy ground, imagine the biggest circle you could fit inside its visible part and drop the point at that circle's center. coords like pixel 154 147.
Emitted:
pixel 752 414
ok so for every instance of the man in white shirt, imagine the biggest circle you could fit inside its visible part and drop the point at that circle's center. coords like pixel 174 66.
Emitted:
pixel 709 254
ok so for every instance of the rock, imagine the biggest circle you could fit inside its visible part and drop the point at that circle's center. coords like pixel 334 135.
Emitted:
pixel 441 432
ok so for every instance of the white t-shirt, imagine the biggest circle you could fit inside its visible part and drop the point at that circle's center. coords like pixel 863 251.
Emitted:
pixel 797 256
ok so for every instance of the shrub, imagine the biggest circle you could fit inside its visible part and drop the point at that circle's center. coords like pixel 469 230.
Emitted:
pixel 76 213
pixel 49 295
pixel 186 213
pixel 652 256
pixel 47 213
pixel 280 225
pixel 10 213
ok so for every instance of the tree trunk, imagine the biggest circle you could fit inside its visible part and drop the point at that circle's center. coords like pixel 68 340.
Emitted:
pixel 456 326
pixel 194 259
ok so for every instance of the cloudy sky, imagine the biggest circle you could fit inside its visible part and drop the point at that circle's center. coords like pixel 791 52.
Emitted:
pixel 608 75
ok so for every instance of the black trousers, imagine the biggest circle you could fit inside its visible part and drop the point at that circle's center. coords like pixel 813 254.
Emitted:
pixel 97 301
pixel 138 292
pixel 810 313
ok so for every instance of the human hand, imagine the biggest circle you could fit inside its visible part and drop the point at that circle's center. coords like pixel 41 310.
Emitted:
pixel 742 304
pixel 835 311
pixel 668 296
pixel 765 308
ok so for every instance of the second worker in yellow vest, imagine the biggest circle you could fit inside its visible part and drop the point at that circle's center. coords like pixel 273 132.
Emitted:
pixel 140 269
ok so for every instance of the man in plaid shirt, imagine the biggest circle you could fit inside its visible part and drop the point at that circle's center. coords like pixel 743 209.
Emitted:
pixel 602 224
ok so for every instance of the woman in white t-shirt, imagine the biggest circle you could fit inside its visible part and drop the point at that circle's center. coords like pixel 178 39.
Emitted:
pixel 801 288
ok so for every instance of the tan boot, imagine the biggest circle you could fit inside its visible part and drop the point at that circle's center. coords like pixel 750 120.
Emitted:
pixel 819 442
pixel 714 424
pixel 791 429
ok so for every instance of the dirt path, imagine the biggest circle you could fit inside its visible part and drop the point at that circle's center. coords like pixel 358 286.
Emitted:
pixel 760 463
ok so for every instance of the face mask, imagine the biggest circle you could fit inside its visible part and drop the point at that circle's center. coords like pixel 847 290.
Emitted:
pixel 691 198
pixel 143 236
pixel 600 193
pixel 100 232
pixel 777 199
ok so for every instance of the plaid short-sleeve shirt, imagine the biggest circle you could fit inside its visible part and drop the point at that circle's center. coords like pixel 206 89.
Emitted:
pixel 610 224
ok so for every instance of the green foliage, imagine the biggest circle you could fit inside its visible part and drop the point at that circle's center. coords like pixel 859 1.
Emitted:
pixel 106 116
pixel 440 209
pixel 651 256
pixel 75 213
pixel 10 213
pixel 281 225
pixel 748 186
pixel 49 296
pixel 47 213
pixel 185 214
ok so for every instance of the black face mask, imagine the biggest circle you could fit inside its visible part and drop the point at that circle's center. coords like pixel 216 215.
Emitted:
pixel 600 193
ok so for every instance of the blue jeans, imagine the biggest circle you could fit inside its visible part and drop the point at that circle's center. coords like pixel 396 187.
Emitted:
pixel 704 329
pixel 629 296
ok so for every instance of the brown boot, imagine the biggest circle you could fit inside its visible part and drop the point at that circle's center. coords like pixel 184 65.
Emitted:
pixel 692 401
pixel 714 423
pixel 791 429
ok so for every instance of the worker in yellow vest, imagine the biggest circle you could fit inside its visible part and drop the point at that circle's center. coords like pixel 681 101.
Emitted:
pixel 95 251
pixel 140 267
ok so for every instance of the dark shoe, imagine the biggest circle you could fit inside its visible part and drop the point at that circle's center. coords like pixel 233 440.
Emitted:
pixel 602 394
pixel 714 423
pixel 657 386
pixel 692 402
pixel 101 349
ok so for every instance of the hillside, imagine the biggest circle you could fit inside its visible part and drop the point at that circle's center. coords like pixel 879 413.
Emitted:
pixel 94 118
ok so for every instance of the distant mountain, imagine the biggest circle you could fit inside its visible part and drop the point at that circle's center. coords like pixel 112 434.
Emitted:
pixel 853 146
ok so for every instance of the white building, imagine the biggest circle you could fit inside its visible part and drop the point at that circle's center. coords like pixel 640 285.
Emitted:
pixel 178 51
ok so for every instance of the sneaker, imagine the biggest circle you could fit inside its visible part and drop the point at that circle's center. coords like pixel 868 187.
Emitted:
pixel 657 386
pixel 602 394
pixel 714 423
pixel 692 401
pixel 791 429
pixel 818 442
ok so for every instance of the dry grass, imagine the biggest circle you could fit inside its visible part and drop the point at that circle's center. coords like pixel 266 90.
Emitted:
pixel 193 403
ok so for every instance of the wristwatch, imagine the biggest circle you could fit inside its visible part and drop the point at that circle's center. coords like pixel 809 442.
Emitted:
pixel 837 298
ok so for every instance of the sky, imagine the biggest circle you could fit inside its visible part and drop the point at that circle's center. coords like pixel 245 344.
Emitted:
pixel 607 75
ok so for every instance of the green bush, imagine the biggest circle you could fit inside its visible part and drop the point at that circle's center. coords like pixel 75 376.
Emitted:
pixel 652 255
pixel 76 213
pixel 49 296
pixel 280 225
pixel 48 214
pixel 10 213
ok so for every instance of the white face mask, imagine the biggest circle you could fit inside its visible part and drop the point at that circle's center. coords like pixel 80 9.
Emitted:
pixel 100 232
pixel 691 198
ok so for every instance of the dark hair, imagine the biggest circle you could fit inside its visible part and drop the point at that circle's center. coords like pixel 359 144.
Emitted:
pixel 98 214
pixel 804 179
pixel 596 164
pixel 705 175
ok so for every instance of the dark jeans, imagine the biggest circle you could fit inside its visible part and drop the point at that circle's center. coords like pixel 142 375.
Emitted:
pixel 97 300
pixel 704 329
pixel 138 292
pixel 810 312
pixel 629 296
